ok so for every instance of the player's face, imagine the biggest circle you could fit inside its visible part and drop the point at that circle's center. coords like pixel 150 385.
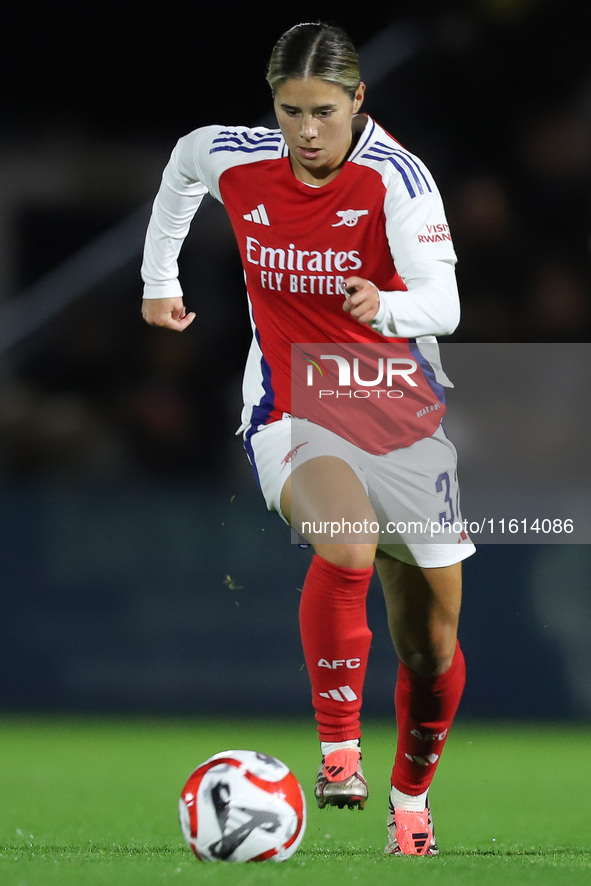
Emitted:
pixel 316 121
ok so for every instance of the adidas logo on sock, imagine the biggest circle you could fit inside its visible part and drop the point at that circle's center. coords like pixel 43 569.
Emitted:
pixel 427 760
pixel 258 216
pixel 343 693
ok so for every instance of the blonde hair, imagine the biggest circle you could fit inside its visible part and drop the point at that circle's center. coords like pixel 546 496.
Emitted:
pixel 315 49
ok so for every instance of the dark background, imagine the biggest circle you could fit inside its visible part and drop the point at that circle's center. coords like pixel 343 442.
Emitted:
pixel 140 569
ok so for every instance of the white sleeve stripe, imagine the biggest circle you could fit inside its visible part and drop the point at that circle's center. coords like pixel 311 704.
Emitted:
pixel 398 157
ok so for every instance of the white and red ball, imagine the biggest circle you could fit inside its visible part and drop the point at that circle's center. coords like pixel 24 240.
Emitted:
pixel 242 806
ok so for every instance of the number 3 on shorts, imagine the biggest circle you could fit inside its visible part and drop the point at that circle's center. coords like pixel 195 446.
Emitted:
pixel 443 484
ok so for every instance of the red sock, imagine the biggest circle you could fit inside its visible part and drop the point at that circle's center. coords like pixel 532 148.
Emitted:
pixel 336 640
pixel 425 709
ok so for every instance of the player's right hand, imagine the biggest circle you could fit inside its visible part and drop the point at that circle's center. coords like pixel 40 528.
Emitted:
pixel 167 312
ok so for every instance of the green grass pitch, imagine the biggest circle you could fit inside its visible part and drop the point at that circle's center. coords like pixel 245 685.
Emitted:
pixel 94 801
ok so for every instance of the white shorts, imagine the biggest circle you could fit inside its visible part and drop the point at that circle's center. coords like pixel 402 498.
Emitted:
pixel 413 491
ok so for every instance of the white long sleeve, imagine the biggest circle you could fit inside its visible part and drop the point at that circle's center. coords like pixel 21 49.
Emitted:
pixel 176 203
pixel 431 306
pixel 422 250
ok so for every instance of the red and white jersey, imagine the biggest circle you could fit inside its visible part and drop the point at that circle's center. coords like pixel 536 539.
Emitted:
pixel 381 219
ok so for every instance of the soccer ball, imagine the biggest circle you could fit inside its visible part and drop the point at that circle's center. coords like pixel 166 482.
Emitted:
pixel 242 806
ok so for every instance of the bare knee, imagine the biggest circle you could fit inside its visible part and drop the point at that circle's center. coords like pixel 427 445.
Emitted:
pixel 349 556
pixel 430 661
pixel 423 611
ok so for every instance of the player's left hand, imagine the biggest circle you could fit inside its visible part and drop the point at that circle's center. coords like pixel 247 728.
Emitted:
pixel 363 300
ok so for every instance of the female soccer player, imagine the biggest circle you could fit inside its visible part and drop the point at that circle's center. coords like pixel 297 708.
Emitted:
pixel 344 242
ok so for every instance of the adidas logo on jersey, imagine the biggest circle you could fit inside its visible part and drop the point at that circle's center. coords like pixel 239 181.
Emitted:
pixel 258 216
pixel 343 693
